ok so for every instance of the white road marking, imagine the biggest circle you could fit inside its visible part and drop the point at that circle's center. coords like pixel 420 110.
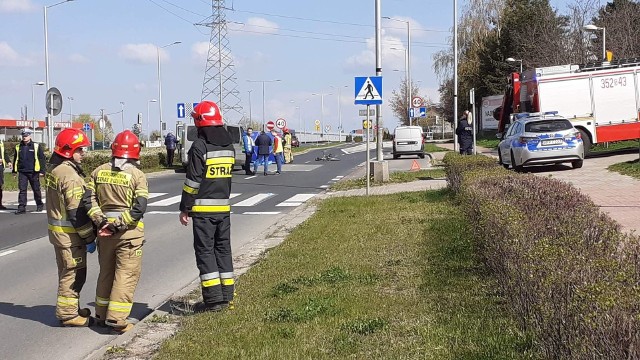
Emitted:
pixel 165 213
pixel 339 176
pixel 335 179
pixel 250 177
pixel 7 252
pixel 324 186
pixel 232 195
pixel 260 213
pixel 296 200
pixel 254 200
pixel 153 195
pixel 306 162
pixel 166 202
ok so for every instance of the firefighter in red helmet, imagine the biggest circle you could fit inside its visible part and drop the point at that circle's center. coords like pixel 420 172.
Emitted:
pixel 117 200
pixel 70 229
pixel 205 198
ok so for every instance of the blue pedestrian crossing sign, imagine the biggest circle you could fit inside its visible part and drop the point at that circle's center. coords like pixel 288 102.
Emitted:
pixel 86 127
pixel 181 110
pixel 368 90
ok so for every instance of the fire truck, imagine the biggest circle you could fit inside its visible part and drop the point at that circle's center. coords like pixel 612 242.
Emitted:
pixel 602 99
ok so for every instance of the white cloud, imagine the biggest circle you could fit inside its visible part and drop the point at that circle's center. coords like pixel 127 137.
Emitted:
pixel 392 58
pixel 399 28
pixel 78 59
pixel 10 57
pixel 142 53
pixel 200 50
pixel 140 87
pixel 255 26
pixel 8 6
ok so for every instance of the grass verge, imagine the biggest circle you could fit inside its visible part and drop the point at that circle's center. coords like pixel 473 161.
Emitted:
pixel 631 168
pixel 360 281
pixel 431 147
pixel 618 145
pixel 394 177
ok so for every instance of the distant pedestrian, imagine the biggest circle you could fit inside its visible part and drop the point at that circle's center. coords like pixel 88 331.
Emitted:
pixel 288 154
pixel 263 142
pixel 277 151
pixel 29 164
pixel 249 144
pixel 4 156
pixel 465 134
pixel 171 142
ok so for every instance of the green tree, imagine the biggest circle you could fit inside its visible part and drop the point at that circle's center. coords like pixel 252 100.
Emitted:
pixel 621 19
pixel 106 133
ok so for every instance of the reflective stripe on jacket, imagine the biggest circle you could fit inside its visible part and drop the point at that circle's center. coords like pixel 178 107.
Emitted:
pixel 36 157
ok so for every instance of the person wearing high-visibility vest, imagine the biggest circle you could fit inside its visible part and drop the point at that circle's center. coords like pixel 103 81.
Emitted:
pixel 277 150
pixel 70 229
pixel 288 154
pixel 205 199
pixel 29 164
pixel 116 198
pixel 4 156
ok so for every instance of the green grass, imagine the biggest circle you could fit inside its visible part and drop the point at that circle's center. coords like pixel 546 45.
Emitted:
pixel 431 147
pixel 394 177
pixel 631 168
pixel 613 146
pixel 383 277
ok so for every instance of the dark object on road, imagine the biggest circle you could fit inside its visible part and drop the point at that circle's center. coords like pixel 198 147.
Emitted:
pixel 294 141
pixel 327 157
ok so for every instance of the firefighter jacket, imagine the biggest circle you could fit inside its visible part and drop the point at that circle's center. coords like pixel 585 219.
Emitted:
pixel 29 158
pixel 207 187
pixel 277 144
pixel 118 195
pixel 69 225
pixel 287 141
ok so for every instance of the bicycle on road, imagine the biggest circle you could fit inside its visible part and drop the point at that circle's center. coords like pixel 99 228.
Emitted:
pixel 327 157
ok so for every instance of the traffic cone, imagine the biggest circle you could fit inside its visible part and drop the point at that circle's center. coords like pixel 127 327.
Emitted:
pixel 415 166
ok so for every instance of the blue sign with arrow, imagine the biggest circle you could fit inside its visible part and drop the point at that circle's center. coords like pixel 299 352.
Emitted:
pixel 180 110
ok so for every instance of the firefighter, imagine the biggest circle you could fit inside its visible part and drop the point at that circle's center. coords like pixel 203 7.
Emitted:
pixel 205 198
pixel 288 155
pixel 70 229
pixel 117 199
pixel 465 134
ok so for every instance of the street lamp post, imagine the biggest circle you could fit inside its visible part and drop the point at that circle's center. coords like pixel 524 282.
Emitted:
pixel 455 74
pixel 122 114
pixel 149 117
pixel 592 27
pixel 407 60
pixel 49 121
pixel 33 108
pixel 264 119
pixel 515 60
pixel 70 98
pixel 406 77
pixel 250 118
pixel 339 110
pixel 322 95
pixel 160 79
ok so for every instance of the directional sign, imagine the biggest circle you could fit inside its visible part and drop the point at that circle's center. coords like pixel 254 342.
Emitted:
pixel 363 112
pixel 417 101
pixel 318 127
pixel 366 124
pixel 423 112
pixel 317 122
pixel 181 110
pixel 270 125
pixel 86 127
pixel 327 128
pixel 368 90
pixel 281 123
pixel 418 112
pixel 412 112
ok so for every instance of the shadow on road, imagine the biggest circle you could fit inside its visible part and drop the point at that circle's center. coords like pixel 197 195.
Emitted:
pixel 44 314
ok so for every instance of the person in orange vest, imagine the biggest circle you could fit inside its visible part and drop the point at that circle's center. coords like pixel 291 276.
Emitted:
pixel 278 149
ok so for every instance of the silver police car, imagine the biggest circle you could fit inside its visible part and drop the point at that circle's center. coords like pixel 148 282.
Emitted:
pixel 540 139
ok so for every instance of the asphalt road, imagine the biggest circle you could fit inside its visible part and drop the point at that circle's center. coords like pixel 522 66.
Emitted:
pixel 27 265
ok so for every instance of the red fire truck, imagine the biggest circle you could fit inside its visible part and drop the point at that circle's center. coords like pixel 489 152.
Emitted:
pixel 602 100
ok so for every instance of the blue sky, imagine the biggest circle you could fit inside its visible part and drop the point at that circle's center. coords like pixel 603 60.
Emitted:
pixel 102 52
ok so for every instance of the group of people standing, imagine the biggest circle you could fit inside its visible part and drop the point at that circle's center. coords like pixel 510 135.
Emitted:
pixel 264 146
pixel 106 213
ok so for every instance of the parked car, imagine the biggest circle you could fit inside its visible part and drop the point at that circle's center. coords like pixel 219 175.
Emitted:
pixel 540 139
pixel 408 140
pixel 294 141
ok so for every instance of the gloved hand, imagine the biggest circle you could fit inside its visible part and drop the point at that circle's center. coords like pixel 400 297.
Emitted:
pixel 120 225
pixel 91 247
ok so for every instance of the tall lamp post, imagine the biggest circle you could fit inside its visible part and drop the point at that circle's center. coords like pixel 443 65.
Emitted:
pixel 407 60
pixel 250 118
pixel 406 77
pixel 149 117
pixel 322 95
pixel 515 60
pixel 339 110
pixel 70 98
pixel 33 108
pixel 122 114
pixel 264 119
pixel 49 120
pixel 591 28
pixel 160 79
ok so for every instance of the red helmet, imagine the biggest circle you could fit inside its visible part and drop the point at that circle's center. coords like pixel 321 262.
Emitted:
pixel 286 129
pixel 68 141
pixel 126 145
pixel 207 113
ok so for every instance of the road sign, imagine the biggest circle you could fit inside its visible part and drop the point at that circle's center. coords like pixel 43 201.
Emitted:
pixel 181 110
pixel 281 123
pixel 412 112
pixel 423 112
pixel 366 124
pixel 363 112
pixel 317 122
pixel 86 127
pixel 417 101
pixel 368 90
pixel 101 124
pixel 270 125
pixel 418 112
pixel 54 107
pixel 318 127
pixel 327 128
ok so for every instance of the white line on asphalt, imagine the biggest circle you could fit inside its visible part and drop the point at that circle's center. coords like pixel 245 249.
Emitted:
pixel 250 177
pixel 287 203
pixel 164 212
pixel 335 179
pixel 232 195
pixel 300 198
pixel 153 195
pixel 324 186
pixel 254 200
pixel 7 252
pixel 260 213
pixel 166 202
pixel 339 176
pixel 306 162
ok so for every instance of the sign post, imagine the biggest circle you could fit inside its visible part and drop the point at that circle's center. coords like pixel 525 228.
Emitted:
pixel 367 169
pixel 472 95
pixel 368 91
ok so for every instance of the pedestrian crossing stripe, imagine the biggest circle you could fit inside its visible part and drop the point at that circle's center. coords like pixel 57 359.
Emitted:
pixel 370 90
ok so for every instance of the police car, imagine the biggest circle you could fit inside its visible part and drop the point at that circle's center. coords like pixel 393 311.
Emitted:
pixel 540 139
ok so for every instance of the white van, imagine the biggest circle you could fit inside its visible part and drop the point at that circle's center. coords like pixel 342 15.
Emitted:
pixel 407 140
pixel 188 133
